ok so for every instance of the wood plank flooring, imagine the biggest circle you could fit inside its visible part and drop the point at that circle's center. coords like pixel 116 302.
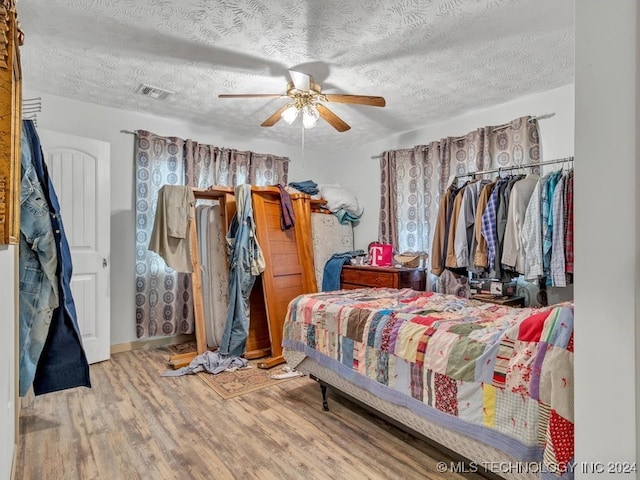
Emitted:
pixel 135 424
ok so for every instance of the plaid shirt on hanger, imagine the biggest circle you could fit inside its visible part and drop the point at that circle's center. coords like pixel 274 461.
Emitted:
pixel 489 226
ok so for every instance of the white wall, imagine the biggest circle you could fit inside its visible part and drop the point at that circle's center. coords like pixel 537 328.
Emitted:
pixel 606 225
pixel 363 173
pixel 8 309
pixel 103 123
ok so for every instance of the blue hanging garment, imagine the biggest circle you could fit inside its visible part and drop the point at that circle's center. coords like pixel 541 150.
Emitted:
pixel 63 362
pixel 246 262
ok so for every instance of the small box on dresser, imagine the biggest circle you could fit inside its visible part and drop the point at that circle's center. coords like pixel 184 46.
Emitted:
pixel 363 276
pixel 505 300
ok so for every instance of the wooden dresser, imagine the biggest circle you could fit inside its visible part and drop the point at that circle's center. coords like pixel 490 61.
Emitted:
pixel 360 276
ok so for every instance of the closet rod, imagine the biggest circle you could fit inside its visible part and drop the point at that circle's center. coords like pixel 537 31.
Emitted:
pixel 516 167
pixel 499 127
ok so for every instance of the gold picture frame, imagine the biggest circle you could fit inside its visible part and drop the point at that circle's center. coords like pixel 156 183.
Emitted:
pixel 11 38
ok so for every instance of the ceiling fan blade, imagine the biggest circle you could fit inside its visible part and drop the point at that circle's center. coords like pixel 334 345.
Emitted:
pixel 301 81
pixel 251 95
pixel 273 119
pixel 357 99
pixel 331 118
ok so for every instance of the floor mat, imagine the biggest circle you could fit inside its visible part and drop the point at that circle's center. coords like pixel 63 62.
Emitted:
pixel 231 384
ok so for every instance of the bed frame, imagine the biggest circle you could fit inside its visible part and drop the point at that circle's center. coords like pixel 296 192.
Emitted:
pixel 498 463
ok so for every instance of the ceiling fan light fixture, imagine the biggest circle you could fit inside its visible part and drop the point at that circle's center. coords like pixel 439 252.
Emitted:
pixel 290 114
pixel 310 116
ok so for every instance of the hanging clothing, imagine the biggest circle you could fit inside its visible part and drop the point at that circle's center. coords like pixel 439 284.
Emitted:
pixel 441 232
pixel 489 221
pixel 500 273
pixel 287 216
pixel 568 238
pixel 557 265
pixel 517 225
pixel 546 213
pixel 455 191
pixel 245 263
pixel 170 234
pixel 451 260
pixel 465 240
pixel 513 251
pixel 63 362
pixel 38 263
pixel 481 254
pixel 531 234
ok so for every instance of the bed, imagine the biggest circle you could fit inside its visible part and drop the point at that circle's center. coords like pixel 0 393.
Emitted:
pixel 493 384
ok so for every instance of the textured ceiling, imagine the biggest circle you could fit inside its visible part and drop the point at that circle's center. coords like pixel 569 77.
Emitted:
pixel 429 59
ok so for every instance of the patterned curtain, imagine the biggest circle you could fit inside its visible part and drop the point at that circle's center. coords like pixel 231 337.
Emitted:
pixel 164 304
pixel 471 153
pixel 516 144
pixel 199 164
pixel 414 179
pixel 233 167
pixel 164 299
pixel 388 227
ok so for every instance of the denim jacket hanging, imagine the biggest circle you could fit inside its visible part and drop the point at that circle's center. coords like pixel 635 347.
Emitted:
pixel 38 262
pixel 245 263
pixel 63 363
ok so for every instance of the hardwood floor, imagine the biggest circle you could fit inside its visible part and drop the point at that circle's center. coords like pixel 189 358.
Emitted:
pixel 135 424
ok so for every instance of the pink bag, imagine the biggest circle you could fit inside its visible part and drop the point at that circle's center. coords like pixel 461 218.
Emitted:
pixel 381 254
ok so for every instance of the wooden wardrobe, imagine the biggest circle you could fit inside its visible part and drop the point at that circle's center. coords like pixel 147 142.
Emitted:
pixel 289 271
pixel 288 254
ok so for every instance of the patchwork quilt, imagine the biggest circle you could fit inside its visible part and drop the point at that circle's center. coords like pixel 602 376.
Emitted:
pixel 501 375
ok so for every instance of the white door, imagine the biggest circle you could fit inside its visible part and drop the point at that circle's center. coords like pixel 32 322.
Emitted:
pixel 80 170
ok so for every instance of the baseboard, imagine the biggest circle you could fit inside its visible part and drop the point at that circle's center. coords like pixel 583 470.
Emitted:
pixel 14 462
pixel 151 343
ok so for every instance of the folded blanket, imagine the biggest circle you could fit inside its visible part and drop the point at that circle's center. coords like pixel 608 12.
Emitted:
pixel 308 186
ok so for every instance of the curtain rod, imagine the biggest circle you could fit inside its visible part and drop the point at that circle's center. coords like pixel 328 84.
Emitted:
pixel 539 117
pixel 135 132
pixel 223 149
pixel 495 129
pixel 516 167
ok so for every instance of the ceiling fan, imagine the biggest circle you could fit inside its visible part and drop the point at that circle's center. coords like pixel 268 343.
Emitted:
pixel 306 98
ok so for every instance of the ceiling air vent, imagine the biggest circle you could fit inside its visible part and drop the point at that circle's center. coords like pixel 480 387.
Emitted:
pixel 153 92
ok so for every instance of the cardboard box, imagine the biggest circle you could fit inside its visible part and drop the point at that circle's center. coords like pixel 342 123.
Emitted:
pixel 492 287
